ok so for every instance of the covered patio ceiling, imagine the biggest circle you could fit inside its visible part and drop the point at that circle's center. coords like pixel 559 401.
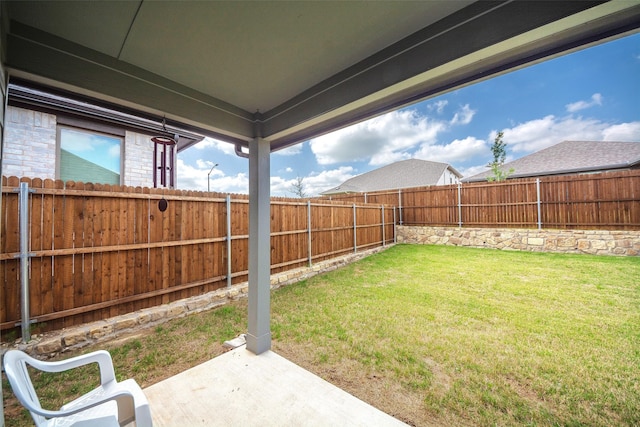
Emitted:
pixel 287 71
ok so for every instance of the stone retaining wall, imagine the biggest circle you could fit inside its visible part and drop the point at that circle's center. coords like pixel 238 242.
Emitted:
pixel 52 343
pixel 597 242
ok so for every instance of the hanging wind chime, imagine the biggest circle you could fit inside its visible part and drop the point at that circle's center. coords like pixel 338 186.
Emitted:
pixel 163 158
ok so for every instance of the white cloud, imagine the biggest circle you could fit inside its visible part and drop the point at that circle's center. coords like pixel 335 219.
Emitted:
pixel 380 140
pixel 195 178
pixel 207 165
pixel 438 106
pixel 537 134
pixel 317 183
pixel 473 170
pixel 464 116
pixel 596 99
pixel 313 184
pixel 624 132
pixel 457 151
pixel 534 135
pixel 289 151
pixel 114 151
pixel 207 142
pixel 288 169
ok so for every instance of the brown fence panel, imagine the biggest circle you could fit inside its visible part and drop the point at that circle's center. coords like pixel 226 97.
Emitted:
pixel 608 200
pixel 509 204
pixel 605 200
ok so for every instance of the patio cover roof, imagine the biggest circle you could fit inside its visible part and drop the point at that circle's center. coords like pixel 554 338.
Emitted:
pixel 288 71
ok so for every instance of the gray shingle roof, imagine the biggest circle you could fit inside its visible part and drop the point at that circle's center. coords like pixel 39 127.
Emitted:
pixel 403 174
pixel 572 157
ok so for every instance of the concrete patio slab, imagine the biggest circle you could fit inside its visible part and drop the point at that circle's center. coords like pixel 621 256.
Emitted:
pixel 239 388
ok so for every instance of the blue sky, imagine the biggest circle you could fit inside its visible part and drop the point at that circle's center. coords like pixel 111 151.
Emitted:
pixel 592 94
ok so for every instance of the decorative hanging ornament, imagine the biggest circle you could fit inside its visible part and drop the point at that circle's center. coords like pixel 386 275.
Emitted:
pixel 163 160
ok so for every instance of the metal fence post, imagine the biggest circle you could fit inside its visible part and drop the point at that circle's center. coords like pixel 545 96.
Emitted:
pixel 400 205
pixel 539 207
pixel 460 205
pixel 355 238
pixel 384 241
pixel 23 213
pixel 395 234
pixel 309 228
pixel 228 240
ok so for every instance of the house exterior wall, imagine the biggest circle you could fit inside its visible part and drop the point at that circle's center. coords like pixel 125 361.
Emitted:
pixel 30 149
pixel 30 144
pixel 138 160
pixel 448 178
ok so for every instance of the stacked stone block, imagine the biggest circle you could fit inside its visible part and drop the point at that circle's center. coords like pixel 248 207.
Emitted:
pixel 595 242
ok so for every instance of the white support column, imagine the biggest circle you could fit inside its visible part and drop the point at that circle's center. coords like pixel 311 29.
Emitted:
pixel 259 334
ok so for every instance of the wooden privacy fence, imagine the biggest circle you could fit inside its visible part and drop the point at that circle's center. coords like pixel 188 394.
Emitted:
pixel 609 201
pixel 97 251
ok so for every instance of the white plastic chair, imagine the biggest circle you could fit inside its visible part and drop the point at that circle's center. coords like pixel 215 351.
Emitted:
pixel 111 404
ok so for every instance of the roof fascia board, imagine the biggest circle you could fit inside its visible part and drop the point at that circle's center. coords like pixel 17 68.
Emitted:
pixel 38 56
pixel 359 94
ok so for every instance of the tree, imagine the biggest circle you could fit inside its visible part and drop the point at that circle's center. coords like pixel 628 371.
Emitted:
pixel 297 188
pixel 499 151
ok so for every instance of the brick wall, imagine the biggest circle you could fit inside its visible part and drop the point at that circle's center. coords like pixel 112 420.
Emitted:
pixel 596 242
pixel 30 144
pixel 138 160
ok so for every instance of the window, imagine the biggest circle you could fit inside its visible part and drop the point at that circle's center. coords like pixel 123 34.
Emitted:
pixel 89 156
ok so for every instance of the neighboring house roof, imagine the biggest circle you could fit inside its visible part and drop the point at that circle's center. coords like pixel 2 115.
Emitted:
pixel 572 157
pixel 403 174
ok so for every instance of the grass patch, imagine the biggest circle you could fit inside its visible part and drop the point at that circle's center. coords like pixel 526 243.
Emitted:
pixel 437 335
pixel 474 336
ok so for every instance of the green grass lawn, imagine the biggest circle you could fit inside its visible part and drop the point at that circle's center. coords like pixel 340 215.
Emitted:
pixel 439 335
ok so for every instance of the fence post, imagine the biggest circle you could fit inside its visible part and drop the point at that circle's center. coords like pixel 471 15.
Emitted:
pixel 539 207
pixel 309 228
pixel 355 238
pixel 400 205
pixel 365 198
pixel 394 226
pixel 384 241
pixel 228 241
pixel 23 213
pixel 460 205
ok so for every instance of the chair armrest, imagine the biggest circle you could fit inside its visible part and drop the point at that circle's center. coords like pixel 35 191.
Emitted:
pixel 101 357
pixel 90 400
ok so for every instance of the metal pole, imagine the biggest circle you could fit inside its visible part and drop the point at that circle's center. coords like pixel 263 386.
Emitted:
pixel 228 240
pixel 459 205
pixel 400 205
pixel 209 178
pixel 23 212
pixel 384 242
pixel 309 228
pixel 394 226
pixel 355 237
pixel 539 207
